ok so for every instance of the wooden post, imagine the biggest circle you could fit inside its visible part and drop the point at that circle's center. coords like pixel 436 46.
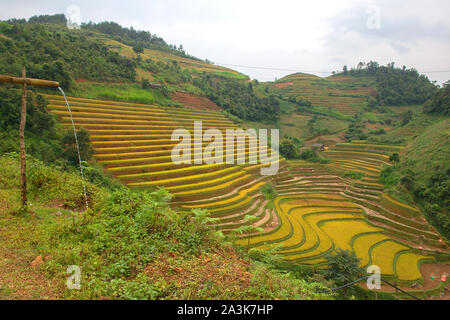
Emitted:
pixel 23 119
pixel 28 81
pixel 23 163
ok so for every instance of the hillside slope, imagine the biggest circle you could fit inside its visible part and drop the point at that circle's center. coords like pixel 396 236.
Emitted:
pixel 424 173
pixel 136 90
pixel 128 246
pixel 133 142
pixel 344 94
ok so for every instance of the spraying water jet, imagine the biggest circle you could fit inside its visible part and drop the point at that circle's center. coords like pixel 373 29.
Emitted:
pixel 78 147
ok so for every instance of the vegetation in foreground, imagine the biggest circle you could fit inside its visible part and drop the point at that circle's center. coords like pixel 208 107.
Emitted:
pixel 128 245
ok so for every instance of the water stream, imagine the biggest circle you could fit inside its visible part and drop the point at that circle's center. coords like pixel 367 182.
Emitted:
pixel 78 148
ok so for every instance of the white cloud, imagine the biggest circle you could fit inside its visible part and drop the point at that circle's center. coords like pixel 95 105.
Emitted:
pixel 319 35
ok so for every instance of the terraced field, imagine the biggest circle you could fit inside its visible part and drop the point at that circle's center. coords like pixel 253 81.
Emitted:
pixel 318 208
pixel 344 94
pixel 313 225
pixel 133 143
pixel 193 101
pixel 191 64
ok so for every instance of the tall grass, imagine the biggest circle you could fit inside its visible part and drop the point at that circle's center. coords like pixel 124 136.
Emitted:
pixel 120 92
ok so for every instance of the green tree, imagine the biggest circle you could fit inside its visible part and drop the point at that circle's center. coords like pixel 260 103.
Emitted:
pixel 308 154
pixel 408 181
pixel 395 86
pixel 138 49
pixel 406 117
pixel 440 103
pixel 70 151
pixel 288 149
pixel 372 102
pixel 343 268
pixel 50 52
pixel 165 91
pixel 145 83
pixel 394 157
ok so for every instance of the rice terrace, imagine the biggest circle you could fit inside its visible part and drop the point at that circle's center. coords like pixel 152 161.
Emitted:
pixel 316 210
pixel 135 182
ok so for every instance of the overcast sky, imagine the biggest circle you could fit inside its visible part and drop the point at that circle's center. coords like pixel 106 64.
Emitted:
pixel 310 36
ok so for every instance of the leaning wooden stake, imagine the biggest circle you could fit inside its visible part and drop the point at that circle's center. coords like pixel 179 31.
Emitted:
pixel 23 162
pixel 23 120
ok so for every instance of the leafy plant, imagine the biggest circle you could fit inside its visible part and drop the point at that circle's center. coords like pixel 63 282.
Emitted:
pixel 354 175
pixel 343 268
pixel 268 191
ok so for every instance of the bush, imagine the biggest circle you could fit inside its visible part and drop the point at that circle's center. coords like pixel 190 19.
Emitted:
pixel 125 232
pixel 49 184
pixel 145 83
pixel 138 48
pixel 70 148
pixel 394 157
pixel 307 154
pixel 406 117
pixel 388 177
pixel 354 175
pixel 440 103
pixel 268 191
pixel 288 149
pixel 343 268
pixel 45 138
pixel 312 156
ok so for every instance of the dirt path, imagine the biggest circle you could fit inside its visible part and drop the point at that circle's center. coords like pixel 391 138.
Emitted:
pixel 18 279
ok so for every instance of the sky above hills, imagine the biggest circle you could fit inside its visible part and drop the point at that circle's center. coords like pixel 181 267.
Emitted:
pixel 270 39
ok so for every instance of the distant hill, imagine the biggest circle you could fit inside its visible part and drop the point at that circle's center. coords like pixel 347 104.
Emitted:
pixel 108 61
pixel 344 94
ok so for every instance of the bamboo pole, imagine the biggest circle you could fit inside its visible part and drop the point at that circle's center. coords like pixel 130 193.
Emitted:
pixel 28 81
pixel 23 119
pixel 23 163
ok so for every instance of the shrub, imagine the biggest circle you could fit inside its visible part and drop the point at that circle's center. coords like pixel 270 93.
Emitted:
pixel 70 149
pixel 49 183
pixel 268 191
pixel 145 83
pixel 288 149
pixel 354 175
pixel 312 156
pixel 343 268
pixel 394 157
pixel 388 177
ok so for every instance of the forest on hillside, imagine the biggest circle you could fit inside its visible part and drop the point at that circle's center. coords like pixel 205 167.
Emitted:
pixel 60 55
pixel 395 86
pixel 239 99
pixel 440 103
pixel 130 36
pixel 49 50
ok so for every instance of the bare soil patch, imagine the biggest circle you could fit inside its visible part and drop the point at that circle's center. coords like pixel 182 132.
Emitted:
pixel 283 84
pixel 194 101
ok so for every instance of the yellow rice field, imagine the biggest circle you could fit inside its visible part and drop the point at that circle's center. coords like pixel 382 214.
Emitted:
pixel 314 225
pixel 133 141
pixel 383 255
pixel 405 266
